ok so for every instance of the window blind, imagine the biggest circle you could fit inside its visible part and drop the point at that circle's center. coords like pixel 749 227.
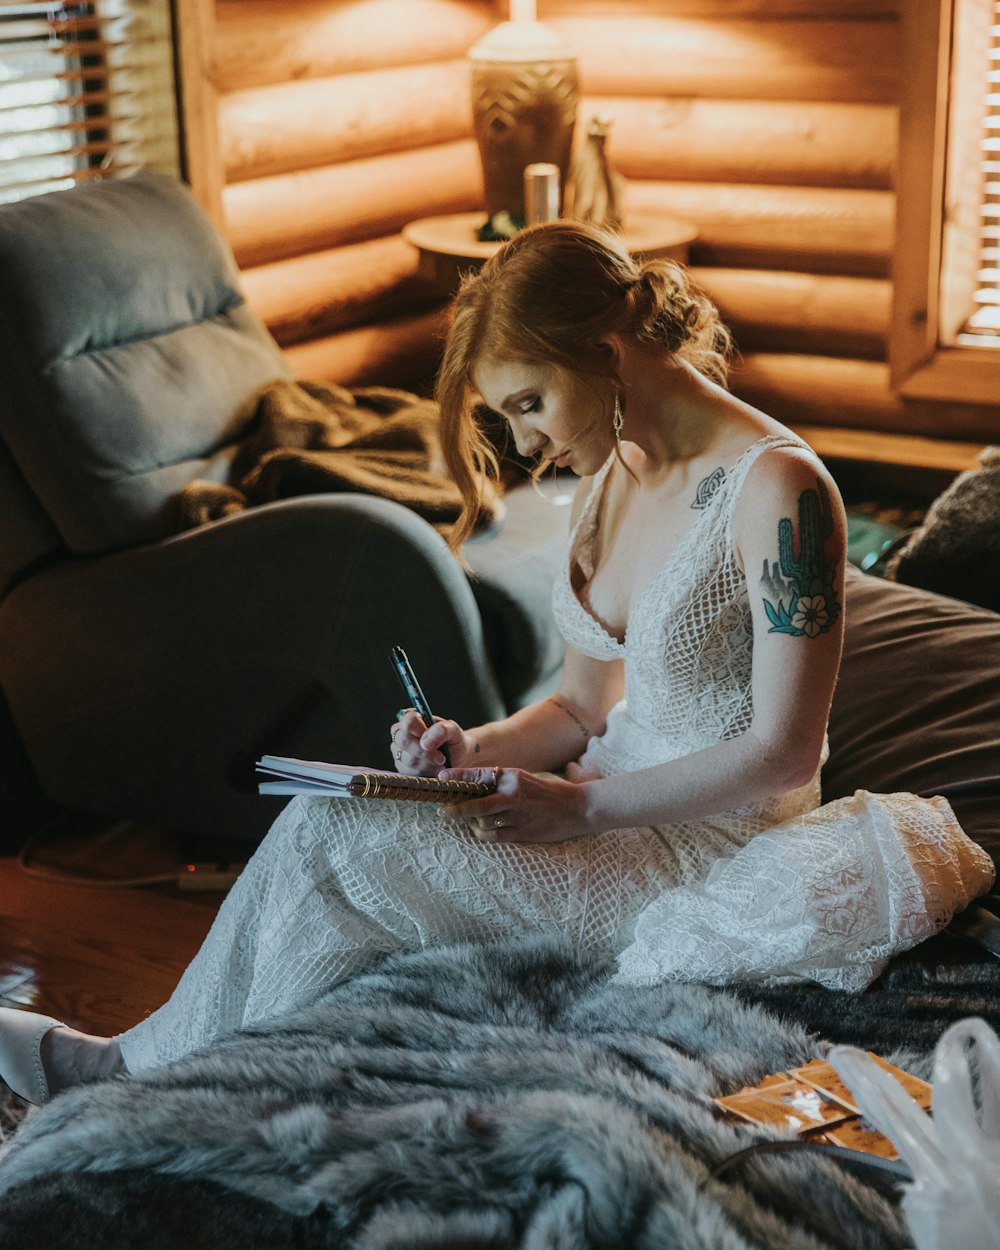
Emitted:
pixel 982 329
pixel 86 91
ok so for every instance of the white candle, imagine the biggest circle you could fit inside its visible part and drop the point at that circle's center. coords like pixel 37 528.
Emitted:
pixel 522 10
pixel 541 193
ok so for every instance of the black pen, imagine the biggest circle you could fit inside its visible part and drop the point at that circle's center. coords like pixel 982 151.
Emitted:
pixel 397 657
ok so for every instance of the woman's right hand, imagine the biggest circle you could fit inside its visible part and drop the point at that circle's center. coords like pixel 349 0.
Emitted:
pixel 417 750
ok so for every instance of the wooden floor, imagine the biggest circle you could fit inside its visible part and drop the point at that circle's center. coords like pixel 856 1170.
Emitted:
pixel 99 959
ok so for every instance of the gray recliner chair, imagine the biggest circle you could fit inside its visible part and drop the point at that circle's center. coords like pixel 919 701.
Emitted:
pixel 144 669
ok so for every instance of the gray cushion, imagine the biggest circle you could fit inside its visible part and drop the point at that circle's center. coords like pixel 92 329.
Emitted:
pixel 956 550
pixel 917 706
pixel 129 354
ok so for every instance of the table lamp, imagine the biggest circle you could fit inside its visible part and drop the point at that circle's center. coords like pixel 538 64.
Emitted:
pixel 524 98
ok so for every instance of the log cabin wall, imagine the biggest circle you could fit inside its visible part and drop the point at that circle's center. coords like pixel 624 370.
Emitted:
pixel 317 128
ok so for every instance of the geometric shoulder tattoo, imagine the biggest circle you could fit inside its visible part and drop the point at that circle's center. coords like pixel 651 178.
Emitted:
pixel 801 583
pixel 708 488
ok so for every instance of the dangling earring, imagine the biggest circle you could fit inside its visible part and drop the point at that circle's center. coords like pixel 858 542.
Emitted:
pixel 618 419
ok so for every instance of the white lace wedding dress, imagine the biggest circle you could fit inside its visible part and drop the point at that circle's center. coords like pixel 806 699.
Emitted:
pixel 784 888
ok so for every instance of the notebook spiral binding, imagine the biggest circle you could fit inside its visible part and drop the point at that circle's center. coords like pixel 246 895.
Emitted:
pixel 417 789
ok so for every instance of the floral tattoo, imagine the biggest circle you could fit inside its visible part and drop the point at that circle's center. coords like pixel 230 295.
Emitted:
pixel 803 573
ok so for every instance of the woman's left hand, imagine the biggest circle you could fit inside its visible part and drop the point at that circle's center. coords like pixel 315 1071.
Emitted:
pixel 527 807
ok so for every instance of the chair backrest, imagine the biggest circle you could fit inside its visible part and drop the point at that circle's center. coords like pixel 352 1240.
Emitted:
pixel 129 361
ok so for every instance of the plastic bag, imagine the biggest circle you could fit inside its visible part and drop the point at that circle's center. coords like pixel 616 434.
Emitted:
pixel 953 1202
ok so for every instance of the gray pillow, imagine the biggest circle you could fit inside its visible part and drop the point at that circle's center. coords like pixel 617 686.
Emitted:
pixel 956 551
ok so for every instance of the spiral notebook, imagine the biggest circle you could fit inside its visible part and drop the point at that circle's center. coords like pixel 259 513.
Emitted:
pixel 357 782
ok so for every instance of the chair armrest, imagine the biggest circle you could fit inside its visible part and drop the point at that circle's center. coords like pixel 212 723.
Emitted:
pixel 145 682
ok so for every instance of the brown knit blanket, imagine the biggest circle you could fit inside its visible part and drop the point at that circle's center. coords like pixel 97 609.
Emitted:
pixel 309 437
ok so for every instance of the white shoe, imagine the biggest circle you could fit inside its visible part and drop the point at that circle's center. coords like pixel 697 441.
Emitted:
pixel 21 1070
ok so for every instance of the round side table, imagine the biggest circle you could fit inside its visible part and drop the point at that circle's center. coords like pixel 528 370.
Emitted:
pixel 448 245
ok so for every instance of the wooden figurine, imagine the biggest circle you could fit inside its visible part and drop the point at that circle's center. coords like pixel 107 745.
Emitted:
pixel 598 188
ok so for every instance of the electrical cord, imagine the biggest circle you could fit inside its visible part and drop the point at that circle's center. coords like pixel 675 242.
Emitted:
pixel 190 877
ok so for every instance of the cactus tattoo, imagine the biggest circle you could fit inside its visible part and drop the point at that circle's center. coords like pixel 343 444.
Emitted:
pixel 806 574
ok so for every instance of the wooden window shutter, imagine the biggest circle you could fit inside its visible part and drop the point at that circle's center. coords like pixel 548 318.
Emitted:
pixel 970 275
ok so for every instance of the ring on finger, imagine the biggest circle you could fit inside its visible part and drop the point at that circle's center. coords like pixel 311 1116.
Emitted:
pixel 499 823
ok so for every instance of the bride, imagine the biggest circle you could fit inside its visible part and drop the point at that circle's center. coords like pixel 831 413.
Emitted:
pixel 664 806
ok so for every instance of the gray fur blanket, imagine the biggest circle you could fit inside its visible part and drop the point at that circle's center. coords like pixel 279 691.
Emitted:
pixel 498 1096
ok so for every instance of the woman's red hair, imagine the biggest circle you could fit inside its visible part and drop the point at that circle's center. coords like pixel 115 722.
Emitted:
pixel 552 295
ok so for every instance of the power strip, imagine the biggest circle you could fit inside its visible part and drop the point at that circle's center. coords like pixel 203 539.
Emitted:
pixel 208 876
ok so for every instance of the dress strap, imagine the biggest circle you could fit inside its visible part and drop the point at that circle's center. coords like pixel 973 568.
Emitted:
pixel 746 460
pixel 586 516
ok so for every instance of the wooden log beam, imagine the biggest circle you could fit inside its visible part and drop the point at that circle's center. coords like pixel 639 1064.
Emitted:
pixel 322 121
pixel 323 293
pixel 258 42
pixel 826 230
pixel 404 352
pixel 290 214
pixel 819 390
pixel 775 311
pixel 660 54
pixel 875 10
pixel 876 447
pixel 826 145
pixel 825 390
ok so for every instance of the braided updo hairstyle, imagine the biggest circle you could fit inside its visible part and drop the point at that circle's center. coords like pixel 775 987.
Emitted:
pixel 552 295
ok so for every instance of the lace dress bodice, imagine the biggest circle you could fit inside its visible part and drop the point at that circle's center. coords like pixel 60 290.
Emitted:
pixel 687 652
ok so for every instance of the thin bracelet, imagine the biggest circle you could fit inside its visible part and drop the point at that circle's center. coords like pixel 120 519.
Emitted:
pixel 571 714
